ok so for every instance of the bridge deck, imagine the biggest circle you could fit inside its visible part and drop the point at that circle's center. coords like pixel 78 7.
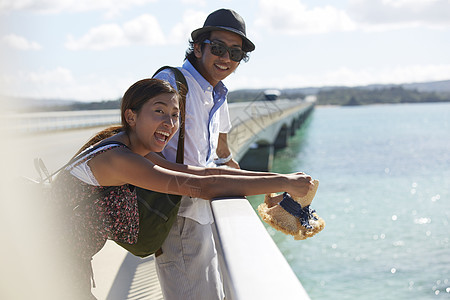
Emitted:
pixel 135 279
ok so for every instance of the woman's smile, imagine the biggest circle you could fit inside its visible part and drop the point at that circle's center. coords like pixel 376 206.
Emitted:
pixel 162 136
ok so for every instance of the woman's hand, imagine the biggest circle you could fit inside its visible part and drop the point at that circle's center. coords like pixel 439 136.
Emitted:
pixel 299 184
pixel 232 164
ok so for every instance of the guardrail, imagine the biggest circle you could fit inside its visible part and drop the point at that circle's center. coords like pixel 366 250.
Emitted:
pixel 59 120
pixel 62 120
pixel 251 263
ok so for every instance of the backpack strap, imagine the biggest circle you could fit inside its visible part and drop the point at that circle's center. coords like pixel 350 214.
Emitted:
pixel 41 168
pixel 88 151
pixel 180 80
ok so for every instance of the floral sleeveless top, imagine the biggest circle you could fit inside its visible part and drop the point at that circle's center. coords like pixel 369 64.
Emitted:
pixel 113 215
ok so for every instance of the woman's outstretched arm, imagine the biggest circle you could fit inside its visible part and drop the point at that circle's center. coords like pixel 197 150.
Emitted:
pixel 120 166
pixel 160 161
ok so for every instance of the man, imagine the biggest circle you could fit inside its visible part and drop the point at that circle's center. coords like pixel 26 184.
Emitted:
pixel 187 263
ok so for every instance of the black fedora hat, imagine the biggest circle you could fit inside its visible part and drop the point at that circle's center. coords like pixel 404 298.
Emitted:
pixel 228 20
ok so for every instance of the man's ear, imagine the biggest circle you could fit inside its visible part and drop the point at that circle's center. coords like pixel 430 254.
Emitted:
pixel 198 50
pixel 130 117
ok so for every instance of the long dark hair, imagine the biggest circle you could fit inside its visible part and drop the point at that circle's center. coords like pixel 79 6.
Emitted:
pixel 134 98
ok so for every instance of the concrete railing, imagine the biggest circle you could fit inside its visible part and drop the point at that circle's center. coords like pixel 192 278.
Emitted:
pixel 58 120
pixel 252 265
pixel 248 113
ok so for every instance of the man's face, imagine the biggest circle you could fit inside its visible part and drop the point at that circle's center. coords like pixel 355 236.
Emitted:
pixel 216 68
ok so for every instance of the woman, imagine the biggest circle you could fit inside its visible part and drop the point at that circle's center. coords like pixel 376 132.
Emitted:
pixel 149 111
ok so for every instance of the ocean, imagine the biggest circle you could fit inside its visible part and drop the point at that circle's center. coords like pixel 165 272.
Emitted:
pixel 384 193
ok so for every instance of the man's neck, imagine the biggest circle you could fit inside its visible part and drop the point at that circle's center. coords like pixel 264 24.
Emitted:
pixel 202 71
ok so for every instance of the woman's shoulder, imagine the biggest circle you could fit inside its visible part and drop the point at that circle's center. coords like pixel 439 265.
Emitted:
pixel 118 139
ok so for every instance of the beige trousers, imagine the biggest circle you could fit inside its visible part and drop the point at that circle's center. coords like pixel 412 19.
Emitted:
pixel 188 266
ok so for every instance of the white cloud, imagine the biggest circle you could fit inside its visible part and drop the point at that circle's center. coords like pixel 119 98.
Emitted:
pixel 141 30
pixel 29 84
pixel 59 83
pixel 181 32
pixel 344 77
pixel 110 7
pixel 383 75
pixel 20 43
pixel 291 17
pixel 401 13
pixel 49 77
pixel 144 30
pixel 98 38
pixel 194 2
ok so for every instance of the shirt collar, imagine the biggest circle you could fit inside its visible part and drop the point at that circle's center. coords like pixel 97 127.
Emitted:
pixel 220 89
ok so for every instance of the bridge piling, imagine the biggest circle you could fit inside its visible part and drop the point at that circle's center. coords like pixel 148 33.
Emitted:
pixel 282 138
pixel 258 158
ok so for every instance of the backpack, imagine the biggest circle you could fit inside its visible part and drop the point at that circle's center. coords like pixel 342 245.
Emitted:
pixel 158 211
pixel 52 217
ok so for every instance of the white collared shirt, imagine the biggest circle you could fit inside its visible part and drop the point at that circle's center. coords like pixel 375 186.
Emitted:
pixel 206 116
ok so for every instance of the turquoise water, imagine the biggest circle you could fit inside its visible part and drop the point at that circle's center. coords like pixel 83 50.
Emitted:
pixel 384 193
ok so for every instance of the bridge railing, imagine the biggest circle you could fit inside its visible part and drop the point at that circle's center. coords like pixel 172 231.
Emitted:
pixel 261 120
pixel 59 120
pixel 62 120
pixel 251 263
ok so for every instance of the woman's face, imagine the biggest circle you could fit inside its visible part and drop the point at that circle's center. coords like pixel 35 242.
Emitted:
pixel 157 122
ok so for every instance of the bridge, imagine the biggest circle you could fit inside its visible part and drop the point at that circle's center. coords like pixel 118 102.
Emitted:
pixel 259 128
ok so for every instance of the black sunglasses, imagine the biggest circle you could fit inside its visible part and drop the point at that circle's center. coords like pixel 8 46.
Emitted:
pixel 219 49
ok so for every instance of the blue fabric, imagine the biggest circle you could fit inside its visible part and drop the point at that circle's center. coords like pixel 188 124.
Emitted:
pixel 219 93
pixel 294 208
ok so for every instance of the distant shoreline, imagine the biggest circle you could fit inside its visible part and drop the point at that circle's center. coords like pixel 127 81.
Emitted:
pixel 426 92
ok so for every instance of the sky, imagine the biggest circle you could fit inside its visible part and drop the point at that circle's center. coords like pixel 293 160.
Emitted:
pixel 93 50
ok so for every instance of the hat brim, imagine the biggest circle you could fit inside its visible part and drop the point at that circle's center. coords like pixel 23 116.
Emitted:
pixel 247 45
